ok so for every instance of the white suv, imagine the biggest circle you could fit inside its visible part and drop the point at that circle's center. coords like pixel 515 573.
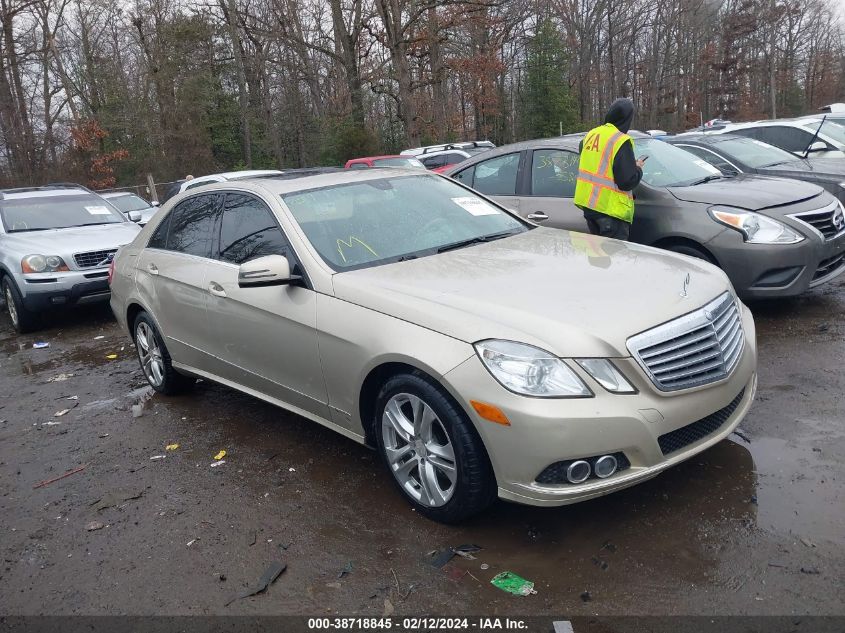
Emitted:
pixel 439 157
pixel 811 135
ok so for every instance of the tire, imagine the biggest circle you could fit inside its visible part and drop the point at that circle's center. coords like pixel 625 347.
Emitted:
pixel 22 319
pixel 419 461
pixel 692 251
pixel 155 360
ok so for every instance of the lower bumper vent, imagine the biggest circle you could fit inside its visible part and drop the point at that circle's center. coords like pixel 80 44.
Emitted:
pixel 686 435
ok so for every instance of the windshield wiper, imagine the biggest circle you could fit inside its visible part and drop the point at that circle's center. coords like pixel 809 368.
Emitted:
pixel 48 228
pixel 780 162
pixel 474 240
pixel 706 179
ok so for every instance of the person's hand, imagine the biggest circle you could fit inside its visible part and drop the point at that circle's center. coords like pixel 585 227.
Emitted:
pixel 641 161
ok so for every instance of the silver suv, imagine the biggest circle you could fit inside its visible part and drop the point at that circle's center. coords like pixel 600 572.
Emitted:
pixel 56 243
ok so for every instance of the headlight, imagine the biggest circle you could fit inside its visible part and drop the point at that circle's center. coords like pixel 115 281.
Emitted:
pixel 842 185
pixel 606 374
pixel 755 228
pixel 43 264
pixel 530 371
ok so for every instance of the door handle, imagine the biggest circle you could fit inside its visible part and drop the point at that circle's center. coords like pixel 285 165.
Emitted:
pixel 216 289
pixel 537 217
pixel 152 268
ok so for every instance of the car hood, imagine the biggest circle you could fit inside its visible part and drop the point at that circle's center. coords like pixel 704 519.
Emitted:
pixel 748 192
pixel 545 287
pixel 833 168
pixel 66 242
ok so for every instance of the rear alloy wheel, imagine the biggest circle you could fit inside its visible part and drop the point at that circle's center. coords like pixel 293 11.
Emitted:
pixel 432 450
pixel 24 320
pixel 155 359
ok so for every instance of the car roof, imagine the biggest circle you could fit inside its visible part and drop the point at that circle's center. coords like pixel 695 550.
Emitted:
pixel 320 177
pixel 19 193
pixel 706 139
pixel 429 150
pixel 246 173
pixel 379 157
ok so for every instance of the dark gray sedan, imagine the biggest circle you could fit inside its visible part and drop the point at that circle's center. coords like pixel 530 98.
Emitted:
pixel 733 155
pixel 773 237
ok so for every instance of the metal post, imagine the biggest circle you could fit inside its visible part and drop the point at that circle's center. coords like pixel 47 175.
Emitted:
pixel 152 185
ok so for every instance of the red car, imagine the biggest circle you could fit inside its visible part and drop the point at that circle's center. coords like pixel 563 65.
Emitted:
pixel 384 161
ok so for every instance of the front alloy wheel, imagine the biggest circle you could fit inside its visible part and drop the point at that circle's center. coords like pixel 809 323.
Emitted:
pixel 418 450
pixel 432 449
pixel 10 304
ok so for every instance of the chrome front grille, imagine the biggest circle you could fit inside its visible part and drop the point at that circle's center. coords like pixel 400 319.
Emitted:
pixel 92 258
pixel 693 350
pixel 829 221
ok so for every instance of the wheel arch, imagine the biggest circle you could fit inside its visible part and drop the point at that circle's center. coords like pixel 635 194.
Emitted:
pixel 384 371
pixel 667 243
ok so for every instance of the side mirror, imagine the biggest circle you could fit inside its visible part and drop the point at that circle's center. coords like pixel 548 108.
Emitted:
pixel 155 203
pixel 818 146
pixel 134 216
pixel 270 270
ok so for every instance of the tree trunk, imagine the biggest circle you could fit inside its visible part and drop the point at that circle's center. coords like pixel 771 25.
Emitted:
pixel 243 96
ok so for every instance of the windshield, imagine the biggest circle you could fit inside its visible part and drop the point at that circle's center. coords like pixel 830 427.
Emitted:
pixel 398 162
pixel 129 203
pixel 754 153
pixel 38 212
pixel 374 222
pixel 670 166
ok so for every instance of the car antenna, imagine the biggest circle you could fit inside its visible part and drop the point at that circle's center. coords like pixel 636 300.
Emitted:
pixel 815 136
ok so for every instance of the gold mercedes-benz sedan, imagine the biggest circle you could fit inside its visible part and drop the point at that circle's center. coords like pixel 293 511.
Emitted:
pixel 479 354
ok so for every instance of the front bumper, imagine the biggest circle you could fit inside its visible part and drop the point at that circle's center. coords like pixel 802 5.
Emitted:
pixel 760 271
pixel 547 431
pixel 48 291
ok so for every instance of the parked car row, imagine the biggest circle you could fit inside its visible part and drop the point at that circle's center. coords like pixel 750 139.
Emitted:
pixel 772 237
pixel 448 322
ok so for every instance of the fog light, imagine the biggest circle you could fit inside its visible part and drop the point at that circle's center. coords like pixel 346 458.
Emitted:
pixel 578 471
pixel 605 466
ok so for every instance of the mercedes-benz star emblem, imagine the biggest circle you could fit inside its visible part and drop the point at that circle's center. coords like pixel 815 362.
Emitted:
pixel 686 284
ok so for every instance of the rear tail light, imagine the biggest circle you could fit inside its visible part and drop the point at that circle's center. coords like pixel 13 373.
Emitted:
pixel 111 270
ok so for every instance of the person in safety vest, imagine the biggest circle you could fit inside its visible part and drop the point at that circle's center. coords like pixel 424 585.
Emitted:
pixel 608 172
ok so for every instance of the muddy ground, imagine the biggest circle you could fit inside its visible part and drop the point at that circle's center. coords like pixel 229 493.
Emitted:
pixel 756 525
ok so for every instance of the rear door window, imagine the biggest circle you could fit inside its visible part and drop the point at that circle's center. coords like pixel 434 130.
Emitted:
pixel 191 224
pixel 248 230
pixel 465 176
pixel 159 238
pixel 497 176
pixel 553 173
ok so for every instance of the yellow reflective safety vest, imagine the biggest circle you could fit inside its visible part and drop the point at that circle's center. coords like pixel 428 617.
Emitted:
pixel 595 188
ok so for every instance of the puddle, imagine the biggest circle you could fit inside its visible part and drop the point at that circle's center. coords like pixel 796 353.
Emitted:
pixel 797 491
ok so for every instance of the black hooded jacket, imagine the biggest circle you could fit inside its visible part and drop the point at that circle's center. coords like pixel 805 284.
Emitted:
pixel 626 174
